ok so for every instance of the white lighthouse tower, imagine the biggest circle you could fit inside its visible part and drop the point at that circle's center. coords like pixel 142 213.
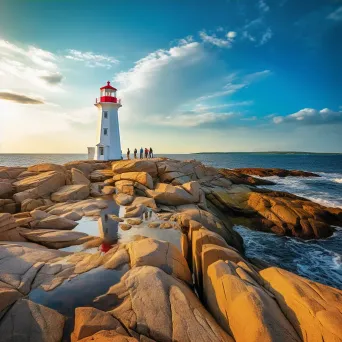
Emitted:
pixel 108 133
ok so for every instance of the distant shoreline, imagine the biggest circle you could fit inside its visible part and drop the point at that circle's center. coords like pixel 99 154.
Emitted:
pixel 270 152
pixel 160 154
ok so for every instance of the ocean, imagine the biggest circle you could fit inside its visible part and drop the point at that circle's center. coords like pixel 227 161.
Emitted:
pixel 319 260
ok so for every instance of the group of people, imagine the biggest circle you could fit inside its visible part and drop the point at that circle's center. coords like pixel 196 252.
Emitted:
pixel 147 152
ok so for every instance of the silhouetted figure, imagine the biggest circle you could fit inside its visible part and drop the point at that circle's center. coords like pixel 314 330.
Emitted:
pixel 135 153
pixel 128 153
pixel 151 152
pixel 146 152
pixel 141 153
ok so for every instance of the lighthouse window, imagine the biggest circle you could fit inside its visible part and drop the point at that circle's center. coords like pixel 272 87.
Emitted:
pixel 105 130
pixel 105 114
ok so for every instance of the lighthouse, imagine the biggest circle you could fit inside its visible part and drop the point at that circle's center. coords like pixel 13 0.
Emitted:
pixel 108 134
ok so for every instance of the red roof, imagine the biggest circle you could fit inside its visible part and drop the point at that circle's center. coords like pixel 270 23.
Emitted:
pixel 108 86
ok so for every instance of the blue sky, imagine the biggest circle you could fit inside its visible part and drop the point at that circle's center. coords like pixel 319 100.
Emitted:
pixel 236 75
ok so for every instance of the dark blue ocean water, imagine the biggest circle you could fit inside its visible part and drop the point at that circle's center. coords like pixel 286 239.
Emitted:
pixel 320 260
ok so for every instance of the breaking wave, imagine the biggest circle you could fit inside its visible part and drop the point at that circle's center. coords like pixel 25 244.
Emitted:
pixel 325 190
pixel 319 260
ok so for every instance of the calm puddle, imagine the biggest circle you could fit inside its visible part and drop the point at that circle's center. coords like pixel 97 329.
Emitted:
pixel 77 292
pixel 84 288
pixel 109 229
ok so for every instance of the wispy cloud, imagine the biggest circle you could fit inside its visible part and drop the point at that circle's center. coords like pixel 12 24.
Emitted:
pixel 212 39
pixel 256 76
pixel 231 35
pixel 310 116
pixel 263 6
pixel 55 78
pixel 336 15
pixel 194 119
pixel 236 82
pixel 228 89
pixel 201 107
pixel 267 35
pixel 91 59
pixel 20 98
pixel 30 63
pixel 257 31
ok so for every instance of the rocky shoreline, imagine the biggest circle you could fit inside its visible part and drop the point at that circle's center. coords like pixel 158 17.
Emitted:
pixel 166 264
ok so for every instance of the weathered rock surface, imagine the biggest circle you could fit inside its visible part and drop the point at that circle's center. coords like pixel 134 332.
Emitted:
pixel 78 177
pixel 44 167
pixel 161 254
pixel 135 211
pixel 314 310
pixel 125 187
pixel 81 207
pixel 8 172
pixel 235 299
pixel 211 222
pixel 55 238
pixel 86 166
pixel 6 189
pixel 30 204
pixel 174 314
pixel 72 215
pixel 238 177
pixel 278 212
pixel 147 202
pixel 71 192
pixel 27 321
pixel 54 222
pixel 141 177
pixel 8 296
pixel 20 262
pixel 148 166
pixel 89 321
pixel 101 175
pixel 108 190
pixel 171 195
pixel 262 172
pixel 7 206
pixel 123 199
pixel 37 186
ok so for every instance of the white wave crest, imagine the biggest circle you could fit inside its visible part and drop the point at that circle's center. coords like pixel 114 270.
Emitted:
pixel 337 180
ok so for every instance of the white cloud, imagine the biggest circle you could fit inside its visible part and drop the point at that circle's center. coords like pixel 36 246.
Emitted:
pixel 263 6
pixel 310 116
pixel 267 35
pixel 336 15
pixel 30 64
pixel 251 118
pixel 201 107
pixel 257 32
pixel 231 35
pixel 228 89
pixel 91 59
pixel 256 76
pixel 193 119
pixel 235 84
pixel 159 86
pixel 223 43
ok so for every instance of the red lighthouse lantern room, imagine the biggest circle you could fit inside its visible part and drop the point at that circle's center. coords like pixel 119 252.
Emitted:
pixel 108 94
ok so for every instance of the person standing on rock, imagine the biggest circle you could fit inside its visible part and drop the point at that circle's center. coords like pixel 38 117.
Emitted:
pixel 141 153
pixel 146 152
pixel 151 152
pixel 135 153
pixel 128 153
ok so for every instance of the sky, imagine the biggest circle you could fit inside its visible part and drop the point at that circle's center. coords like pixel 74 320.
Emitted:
pixel 193 76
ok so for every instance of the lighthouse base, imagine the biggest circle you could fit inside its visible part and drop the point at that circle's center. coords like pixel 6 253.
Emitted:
pixel 105 152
